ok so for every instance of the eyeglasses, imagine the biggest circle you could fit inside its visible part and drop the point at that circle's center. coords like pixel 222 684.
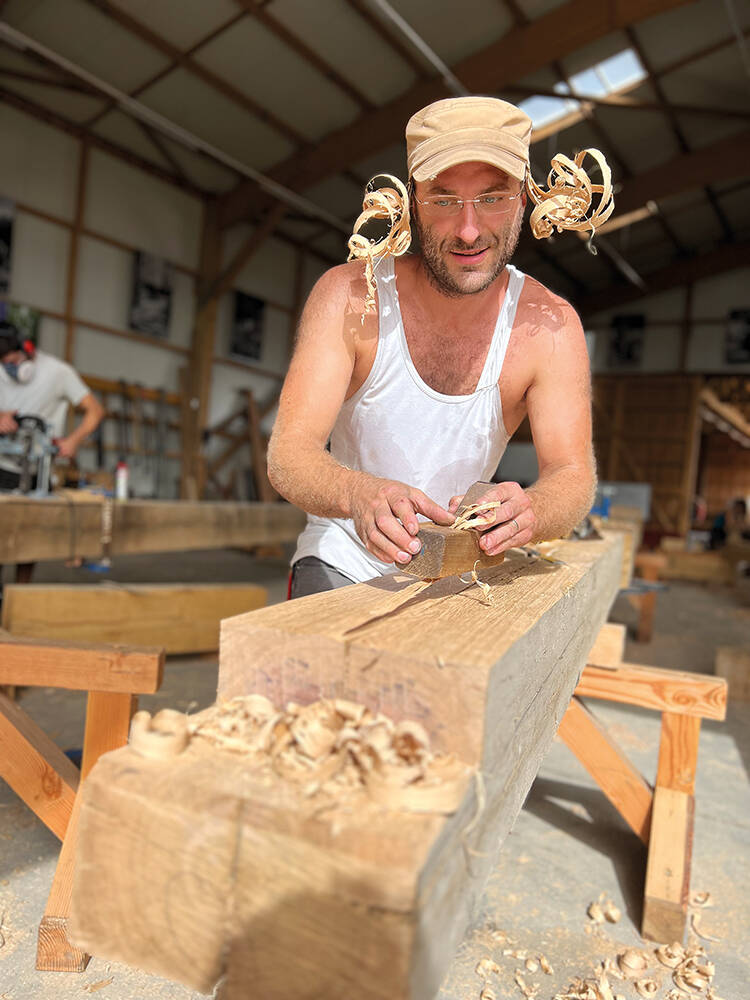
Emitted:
pixel 491 204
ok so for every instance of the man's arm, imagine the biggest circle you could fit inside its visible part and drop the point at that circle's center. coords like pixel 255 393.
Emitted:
pixel 558 403
pixel 93 413
pixel 322 374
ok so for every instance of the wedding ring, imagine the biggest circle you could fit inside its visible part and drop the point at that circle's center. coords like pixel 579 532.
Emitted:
pixel 518 528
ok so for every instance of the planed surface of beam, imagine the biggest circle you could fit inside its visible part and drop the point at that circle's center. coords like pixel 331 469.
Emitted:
pixel 181 618
pixel 56 528
pixel 244 874
pixel 80 666
pixel 624 786
pixel 36 768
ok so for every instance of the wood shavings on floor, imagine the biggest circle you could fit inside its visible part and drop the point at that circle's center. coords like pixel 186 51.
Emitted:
pixel 338 745
pixel 661 972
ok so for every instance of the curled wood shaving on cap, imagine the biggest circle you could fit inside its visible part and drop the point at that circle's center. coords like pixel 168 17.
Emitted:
pixel 567 204
pixel 391 204
pixel 338 745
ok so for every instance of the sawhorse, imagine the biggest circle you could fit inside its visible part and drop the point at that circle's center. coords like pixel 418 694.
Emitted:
pixel 662 816
pixel 40 773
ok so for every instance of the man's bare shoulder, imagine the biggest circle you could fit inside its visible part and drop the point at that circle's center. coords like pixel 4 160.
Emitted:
pixel 341 289
pixel 541 309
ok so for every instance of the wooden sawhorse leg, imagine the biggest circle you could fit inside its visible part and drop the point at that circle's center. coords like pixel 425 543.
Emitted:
pixel 108 718
pixel 666 898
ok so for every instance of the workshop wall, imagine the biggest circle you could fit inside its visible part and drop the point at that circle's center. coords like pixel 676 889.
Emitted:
pixel 133 210
pixel 712 300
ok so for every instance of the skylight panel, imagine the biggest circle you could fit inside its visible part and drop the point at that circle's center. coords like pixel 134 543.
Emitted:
pixel 610 76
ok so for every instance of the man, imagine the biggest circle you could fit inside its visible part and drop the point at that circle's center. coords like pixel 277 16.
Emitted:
pixel 419 400
pixel 36 383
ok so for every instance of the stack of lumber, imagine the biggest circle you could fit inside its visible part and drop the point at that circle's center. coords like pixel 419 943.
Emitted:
pixel 214 866
pixel 181 618
pixel 76 525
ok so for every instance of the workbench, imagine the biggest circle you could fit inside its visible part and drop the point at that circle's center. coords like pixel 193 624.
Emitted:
pixel 77 525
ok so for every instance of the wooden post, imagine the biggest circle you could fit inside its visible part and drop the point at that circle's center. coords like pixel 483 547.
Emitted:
pixel 75 238
pixel 197 383
pixel 666 898
pixel 690 458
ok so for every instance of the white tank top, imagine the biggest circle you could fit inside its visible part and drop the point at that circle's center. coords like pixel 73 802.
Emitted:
pixel 396 427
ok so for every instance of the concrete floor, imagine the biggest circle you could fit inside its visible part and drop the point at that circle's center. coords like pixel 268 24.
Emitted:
pixel 568 845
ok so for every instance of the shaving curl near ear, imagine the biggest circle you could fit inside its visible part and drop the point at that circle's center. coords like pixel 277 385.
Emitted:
pixel 391 203
pixel 568 202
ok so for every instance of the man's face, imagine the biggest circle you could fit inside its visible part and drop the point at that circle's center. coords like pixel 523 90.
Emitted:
pixel 13 358
pixel 464 253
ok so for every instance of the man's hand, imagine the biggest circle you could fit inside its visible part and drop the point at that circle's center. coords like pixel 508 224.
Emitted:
pixel 7 422
pixel 67 447
pixel 385 516
pixel 506 527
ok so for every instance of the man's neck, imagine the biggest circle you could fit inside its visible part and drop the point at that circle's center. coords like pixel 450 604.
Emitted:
pixel 457 308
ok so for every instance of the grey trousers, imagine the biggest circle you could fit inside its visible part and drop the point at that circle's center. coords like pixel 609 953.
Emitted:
pixel 311 575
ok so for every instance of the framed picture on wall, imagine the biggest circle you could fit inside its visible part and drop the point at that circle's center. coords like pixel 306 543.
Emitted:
pixel 7 213
pixel 151 301
pixel 246 339
pixel 24 318
pixel 737 338
pixel 626 341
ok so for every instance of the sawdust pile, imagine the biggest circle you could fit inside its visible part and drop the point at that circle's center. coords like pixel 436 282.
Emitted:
pixel 338 746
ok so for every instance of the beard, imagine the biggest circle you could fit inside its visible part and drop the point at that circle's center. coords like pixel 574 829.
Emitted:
pixel 502 245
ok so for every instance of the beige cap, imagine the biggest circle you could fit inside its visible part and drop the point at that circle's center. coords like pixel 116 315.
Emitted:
pixel 464 130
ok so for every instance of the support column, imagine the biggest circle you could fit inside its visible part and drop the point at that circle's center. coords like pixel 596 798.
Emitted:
pixel 75 238
pixel 197 382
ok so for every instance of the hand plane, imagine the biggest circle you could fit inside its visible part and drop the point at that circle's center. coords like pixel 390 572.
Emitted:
pixel 448 550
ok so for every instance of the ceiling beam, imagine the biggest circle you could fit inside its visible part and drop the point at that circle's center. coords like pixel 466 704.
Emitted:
pixel 391 38
pixel 292 41
pixel 120 152
pixel 175 62
pixel 522 50
pixel 177 57
pixel 727 257
pixel 722 160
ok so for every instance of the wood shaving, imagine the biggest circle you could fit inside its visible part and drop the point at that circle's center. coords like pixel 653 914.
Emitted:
pixel 484 587
pixel 486 968
pixel 546 967
pixel 487 994
pixel 595 913
pixel 701 899
pixel 392 205
pixel 528 991
pixel 612 913
pixel 95 987
pixel 646 988
pixel 670 955
pixel 531 965
pixel 470 517
pixel 694 921
pixel 631 961
pixel 567 204
pixel 161 737
pixel 338 745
